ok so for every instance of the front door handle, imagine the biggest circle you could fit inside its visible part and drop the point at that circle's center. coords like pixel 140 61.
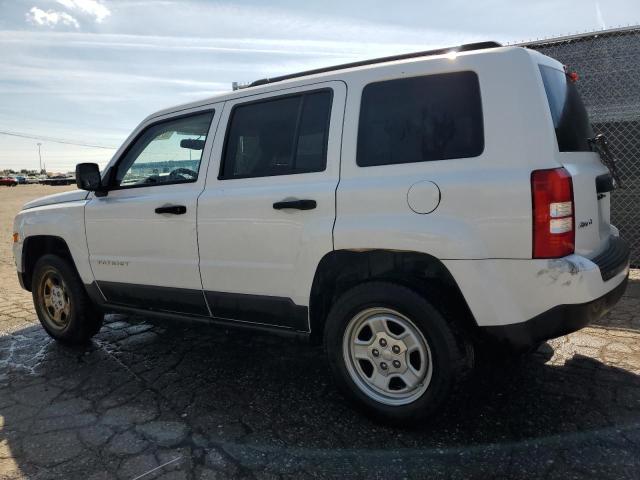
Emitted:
pixel 172 209
pixel 297 204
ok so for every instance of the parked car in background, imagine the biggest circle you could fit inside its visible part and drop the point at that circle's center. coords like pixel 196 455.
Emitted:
pixel 8 181
pixel 58 180
pixel 20 179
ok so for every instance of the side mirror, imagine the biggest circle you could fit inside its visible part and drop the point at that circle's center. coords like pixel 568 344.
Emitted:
pixel 88 177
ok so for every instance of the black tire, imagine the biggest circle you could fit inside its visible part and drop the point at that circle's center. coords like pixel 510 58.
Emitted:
pixel 446 358
pixel 82 319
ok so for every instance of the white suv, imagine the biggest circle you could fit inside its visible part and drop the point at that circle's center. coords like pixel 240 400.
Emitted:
pixel 402 210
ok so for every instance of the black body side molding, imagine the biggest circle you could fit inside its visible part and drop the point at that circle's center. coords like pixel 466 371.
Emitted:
pixel 276 311
pixel 251 311
pixel 154 298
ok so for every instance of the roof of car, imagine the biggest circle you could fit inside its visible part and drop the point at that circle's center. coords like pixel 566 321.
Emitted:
pixel 267 84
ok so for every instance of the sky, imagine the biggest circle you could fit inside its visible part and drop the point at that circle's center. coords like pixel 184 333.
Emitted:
pixel 88 71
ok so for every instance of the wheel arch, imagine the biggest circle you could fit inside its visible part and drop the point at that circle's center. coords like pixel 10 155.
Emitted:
pixel 35 246
pixel 341 270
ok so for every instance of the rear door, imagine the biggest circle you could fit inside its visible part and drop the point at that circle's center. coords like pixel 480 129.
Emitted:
pixel 266 216
pixel 589 175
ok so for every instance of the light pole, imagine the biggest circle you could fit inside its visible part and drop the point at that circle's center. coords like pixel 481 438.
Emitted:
pixel 40 158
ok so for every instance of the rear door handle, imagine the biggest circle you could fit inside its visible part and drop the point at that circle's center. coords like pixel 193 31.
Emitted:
pixel 172 209
pixel 297 204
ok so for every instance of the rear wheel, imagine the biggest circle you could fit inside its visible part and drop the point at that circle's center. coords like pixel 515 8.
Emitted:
pixel 391 352
pixel 61 302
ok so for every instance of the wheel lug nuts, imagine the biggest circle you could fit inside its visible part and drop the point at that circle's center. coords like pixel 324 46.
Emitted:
pixel 396 364
pixel 383 342
pixel 395 349
pixel 384 366
pixel 375 352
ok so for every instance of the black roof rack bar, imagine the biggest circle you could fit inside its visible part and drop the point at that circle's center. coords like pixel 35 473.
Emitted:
pixel 440 51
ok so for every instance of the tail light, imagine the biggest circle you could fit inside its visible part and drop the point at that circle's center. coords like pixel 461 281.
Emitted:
pixel 553 218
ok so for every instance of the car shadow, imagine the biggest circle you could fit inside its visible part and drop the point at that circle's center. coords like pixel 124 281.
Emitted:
pixel 247 405
pixel 626 317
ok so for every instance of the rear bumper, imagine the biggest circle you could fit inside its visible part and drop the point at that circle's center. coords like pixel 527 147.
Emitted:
pixel 613 259
pixel 541 299
pixel 557 321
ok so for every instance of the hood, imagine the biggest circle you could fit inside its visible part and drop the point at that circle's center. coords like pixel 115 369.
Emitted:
pixel 64 197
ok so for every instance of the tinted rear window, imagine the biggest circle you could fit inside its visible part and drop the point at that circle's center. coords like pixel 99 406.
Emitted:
pixel 419 119
pixel 278 136
pixel 570 118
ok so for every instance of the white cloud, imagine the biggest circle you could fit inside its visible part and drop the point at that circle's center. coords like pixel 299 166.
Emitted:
pixel 600 17
pixel 90 7
pixel 50 18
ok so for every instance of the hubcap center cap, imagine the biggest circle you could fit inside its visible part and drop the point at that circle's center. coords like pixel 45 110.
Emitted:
pixel 388 354
pixel 57 297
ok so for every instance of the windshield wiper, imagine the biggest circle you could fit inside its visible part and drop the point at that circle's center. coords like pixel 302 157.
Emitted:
pixel 600 145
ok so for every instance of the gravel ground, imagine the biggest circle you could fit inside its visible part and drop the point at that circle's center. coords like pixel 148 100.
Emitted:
pixel 212 404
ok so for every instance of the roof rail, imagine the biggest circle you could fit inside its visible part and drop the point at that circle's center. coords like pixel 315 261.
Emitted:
pixel 427 53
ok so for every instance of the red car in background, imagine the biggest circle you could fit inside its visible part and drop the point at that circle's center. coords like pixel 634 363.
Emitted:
pixel 8 181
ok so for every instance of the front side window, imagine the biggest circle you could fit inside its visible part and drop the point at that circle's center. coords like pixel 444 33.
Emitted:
pixel 166 153
pixel 281 136
pixel 420 119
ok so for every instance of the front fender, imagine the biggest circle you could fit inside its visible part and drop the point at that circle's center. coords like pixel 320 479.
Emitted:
pixel 65 221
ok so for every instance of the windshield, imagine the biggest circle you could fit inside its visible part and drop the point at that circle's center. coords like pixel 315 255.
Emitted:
pixel 570 118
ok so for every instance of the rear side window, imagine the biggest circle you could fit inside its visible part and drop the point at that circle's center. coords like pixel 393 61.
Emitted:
pixel 281 136
pixel 420 119
pixel 570 118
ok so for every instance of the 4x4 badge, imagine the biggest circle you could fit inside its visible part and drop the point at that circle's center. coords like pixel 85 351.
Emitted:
pixel 585 223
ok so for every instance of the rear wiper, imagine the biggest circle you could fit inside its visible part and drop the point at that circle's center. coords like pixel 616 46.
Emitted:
pixel 600 145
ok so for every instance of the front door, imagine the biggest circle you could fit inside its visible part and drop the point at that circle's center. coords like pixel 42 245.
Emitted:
pixel 266 217
pixel 142 241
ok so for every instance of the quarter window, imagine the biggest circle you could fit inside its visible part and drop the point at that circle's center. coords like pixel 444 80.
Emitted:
pixel 420 119
pixel 166 153
pixel 281 136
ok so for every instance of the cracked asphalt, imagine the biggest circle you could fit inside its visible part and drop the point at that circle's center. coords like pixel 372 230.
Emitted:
pixel 191 401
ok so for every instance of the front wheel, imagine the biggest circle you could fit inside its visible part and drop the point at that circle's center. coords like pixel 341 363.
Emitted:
pixel 61 302
pixel 391 352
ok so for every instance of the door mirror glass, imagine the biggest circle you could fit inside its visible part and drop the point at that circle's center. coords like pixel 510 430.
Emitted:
pixel 88 177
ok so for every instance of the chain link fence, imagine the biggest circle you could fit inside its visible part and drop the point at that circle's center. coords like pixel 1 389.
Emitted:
pixel 608 64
